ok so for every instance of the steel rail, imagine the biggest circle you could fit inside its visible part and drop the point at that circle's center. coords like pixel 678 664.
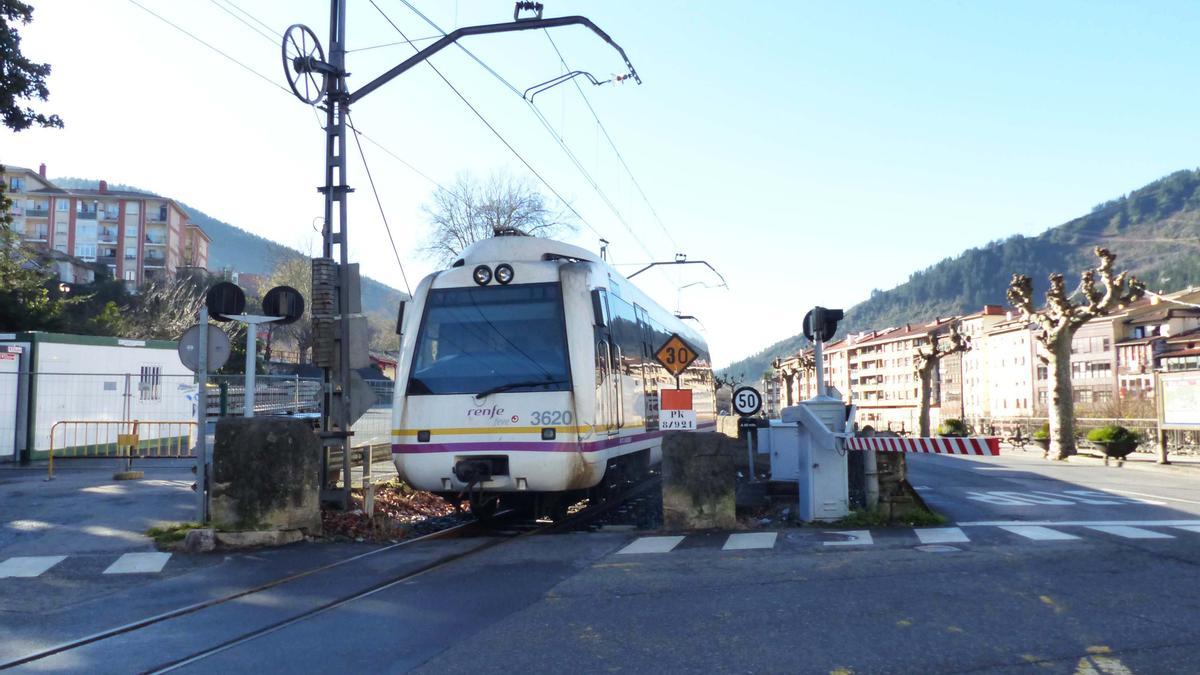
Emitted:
pixel 457 531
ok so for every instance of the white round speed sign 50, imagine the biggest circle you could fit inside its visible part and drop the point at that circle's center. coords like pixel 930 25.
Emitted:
pixel 747 401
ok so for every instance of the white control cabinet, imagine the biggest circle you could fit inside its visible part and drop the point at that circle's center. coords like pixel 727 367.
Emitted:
pixel 821 468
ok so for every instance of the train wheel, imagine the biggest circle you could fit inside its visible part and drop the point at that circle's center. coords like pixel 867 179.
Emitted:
pixel 484 507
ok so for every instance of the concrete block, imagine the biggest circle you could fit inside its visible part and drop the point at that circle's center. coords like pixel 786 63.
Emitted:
pixel 258 538
pixel 266 475
pixel 699 481
pixel 199 541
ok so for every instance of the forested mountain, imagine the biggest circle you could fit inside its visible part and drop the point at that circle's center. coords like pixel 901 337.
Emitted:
pixel 238 250
pixel 1155 232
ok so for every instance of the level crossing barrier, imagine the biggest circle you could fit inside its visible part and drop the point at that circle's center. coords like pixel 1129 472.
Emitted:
pixel 943 445
pixel 121 439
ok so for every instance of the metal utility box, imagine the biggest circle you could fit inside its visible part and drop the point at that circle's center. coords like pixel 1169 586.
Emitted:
pixel 781 442
pixel 821 469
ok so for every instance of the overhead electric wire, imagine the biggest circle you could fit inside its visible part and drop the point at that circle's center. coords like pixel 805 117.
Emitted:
pixel 611 143
pixel 393 44
pixel 179 28
pixel 246 23
pixel 492 128
pixel 379 203
pixel 254 19
pixel 545 124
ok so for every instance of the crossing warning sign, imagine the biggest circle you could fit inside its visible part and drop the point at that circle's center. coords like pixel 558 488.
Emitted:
pixel 675 355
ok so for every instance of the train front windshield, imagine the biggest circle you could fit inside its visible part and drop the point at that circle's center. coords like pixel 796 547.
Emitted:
pixel 489 339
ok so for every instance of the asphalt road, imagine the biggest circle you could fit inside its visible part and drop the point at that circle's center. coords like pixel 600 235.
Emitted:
pixel 1044 568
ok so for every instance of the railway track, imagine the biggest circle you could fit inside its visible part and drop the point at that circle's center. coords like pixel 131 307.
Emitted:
pixel 505 527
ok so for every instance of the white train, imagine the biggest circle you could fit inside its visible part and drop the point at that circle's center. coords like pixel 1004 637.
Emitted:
pixel 527 376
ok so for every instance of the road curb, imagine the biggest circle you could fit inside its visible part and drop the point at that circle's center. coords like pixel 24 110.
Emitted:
pixel 1139 465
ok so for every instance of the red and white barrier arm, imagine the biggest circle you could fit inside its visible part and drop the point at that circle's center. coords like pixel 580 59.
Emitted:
pixel 975 445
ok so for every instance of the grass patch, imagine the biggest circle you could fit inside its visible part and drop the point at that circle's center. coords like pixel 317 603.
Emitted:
pixel 879 518
pixel 919 518
pixel 170 533
pixel 863 518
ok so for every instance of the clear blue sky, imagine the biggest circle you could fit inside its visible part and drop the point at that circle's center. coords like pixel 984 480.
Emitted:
pixel 811 151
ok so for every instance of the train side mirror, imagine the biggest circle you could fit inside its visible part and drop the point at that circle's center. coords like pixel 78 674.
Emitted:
pixel 400 318
pixel 600 308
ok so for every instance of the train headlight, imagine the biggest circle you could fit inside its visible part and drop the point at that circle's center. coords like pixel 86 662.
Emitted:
pixel 482 275
pixel 504 273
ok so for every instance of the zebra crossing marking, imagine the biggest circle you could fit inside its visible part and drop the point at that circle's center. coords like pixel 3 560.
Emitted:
pixel 29 566
pixel 139 563
pixel 942 535
pixel 651 545
pixel 746 540
pixel 1038 533
pixel 1130 532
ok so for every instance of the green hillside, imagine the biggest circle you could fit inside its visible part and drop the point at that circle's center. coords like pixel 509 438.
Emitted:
pixel 238 250
pixel 1155 232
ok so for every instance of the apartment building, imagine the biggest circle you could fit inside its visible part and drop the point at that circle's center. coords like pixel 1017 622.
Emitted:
pixel 138 236
pixel 1008 351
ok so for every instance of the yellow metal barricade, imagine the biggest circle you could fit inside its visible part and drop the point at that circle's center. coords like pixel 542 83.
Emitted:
pixel 129 439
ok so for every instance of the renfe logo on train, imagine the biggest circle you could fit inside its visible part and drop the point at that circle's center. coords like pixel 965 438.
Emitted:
pixel 676 412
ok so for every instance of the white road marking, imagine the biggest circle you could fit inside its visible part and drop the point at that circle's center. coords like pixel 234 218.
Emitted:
pixel 922 487
pixel 1189 528
pixel 1130 532
pixel 29 566
pixel 857 538
pixel 651 545
pixel 1083 523
pixel 1038 533
pixel 1143 494
pixel 997 468
pixel 941 535
pixel 744 540
pixel 139 563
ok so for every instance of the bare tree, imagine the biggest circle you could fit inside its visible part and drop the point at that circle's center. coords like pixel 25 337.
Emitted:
pixel 1057 323
pixel 470 210
pixel 788 375
pixel 295 271
pixel 927 362
pixel 162 309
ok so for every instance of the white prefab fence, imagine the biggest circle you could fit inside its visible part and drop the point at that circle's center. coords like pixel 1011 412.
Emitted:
pixel 32 403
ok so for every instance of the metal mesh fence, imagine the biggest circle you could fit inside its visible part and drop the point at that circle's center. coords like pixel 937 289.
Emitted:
pixel 1181 442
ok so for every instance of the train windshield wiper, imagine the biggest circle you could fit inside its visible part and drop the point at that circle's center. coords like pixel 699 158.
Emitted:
pixel 515 385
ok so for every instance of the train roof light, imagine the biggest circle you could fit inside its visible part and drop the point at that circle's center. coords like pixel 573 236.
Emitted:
pixel 504 273
pixel 482 275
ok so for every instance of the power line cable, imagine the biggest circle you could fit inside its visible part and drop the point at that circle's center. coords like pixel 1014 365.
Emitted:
pixel 210 46
pixel 255 19
pixel 244 22
pixel 393 44
pixel 545 124
pixel 492 128
pixel 379 203
pixel 612 144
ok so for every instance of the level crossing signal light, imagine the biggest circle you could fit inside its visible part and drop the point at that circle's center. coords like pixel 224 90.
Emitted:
pixel 821 322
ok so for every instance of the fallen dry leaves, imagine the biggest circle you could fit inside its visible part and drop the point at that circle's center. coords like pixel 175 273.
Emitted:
pixel 400 511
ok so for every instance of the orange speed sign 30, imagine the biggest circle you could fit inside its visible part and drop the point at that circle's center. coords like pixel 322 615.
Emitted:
pixel 675 355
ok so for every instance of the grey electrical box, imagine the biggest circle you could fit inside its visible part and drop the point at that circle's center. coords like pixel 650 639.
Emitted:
pixel 822 471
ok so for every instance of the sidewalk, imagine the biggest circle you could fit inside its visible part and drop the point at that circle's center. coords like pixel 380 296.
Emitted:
pixel 83 510
pixel 1180 465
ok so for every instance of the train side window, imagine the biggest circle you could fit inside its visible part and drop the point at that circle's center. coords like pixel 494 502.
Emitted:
pixel 600 307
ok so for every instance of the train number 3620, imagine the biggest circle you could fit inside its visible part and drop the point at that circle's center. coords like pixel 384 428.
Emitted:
pixel 551 417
